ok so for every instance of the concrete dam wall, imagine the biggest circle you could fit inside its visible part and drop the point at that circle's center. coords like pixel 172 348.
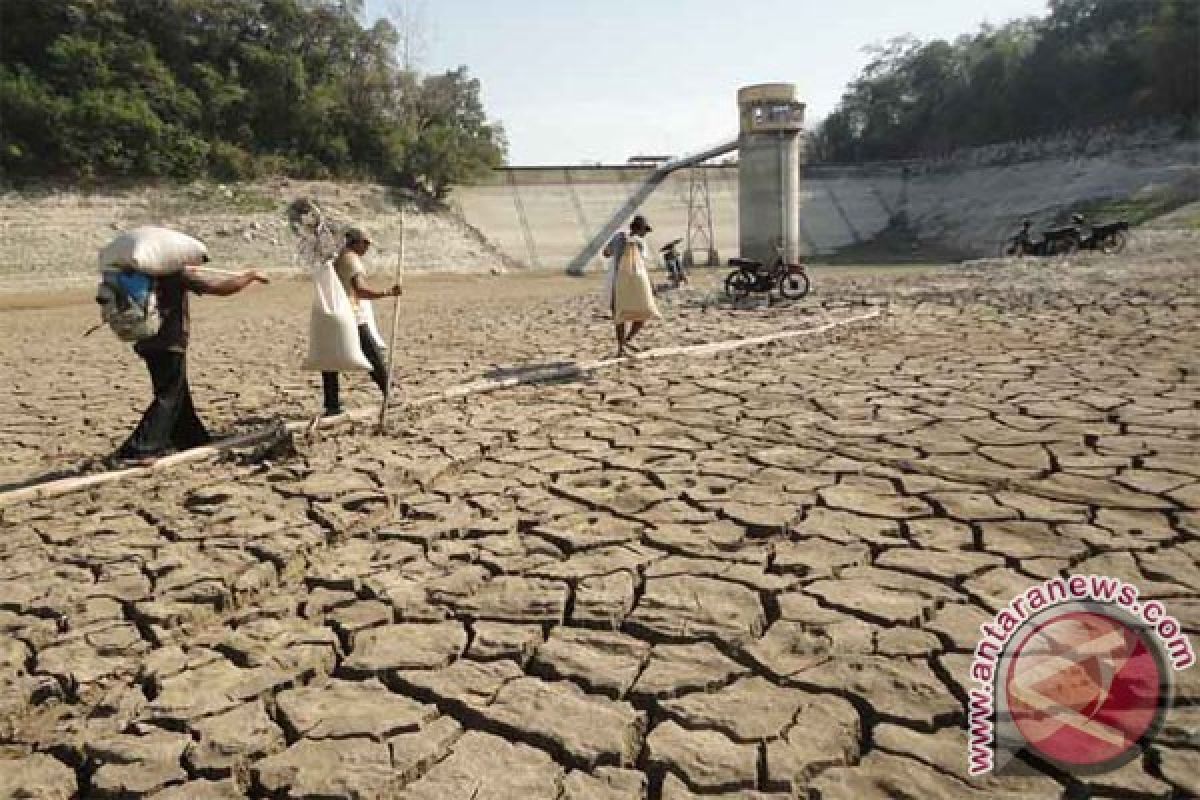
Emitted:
pixel 543 216
pixel 965 205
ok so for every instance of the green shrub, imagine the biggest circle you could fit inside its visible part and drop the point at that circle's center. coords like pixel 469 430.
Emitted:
pixel 228 162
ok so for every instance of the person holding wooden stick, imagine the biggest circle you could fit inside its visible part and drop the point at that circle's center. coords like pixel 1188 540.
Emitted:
pixel 353 276
pixel 387 391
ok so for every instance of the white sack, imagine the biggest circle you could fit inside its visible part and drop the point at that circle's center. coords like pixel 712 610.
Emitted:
pixel 153 251
pixel 633 296
pixel 332 330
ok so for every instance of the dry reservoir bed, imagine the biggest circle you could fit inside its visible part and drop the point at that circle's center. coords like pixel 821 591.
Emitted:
pixel 752 575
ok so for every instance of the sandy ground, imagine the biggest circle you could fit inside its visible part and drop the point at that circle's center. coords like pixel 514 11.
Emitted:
pixel 753 575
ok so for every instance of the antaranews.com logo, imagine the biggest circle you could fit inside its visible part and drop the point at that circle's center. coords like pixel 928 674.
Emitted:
pixel 1075 671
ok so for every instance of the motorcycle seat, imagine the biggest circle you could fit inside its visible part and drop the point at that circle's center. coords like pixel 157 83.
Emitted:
pixel 1059 232
pixel 745 263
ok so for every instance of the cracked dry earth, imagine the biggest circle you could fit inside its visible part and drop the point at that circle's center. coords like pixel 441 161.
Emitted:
pixel 752 575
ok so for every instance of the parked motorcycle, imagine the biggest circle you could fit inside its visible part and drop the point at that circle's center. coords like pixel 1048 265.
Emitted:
pixel 1061 241
pixel 753 276
pixel 1016 247
pixel 674 263
pixel 1022 244
pixel 1109 238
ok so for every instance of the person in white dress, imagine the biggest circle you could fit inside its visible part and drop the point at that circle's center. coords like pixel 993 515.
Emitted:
pixel 627 290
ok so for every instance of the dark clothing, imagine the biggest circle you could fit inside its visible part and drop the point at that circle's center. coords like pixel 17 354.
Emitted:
pixel 329 380
pixel 171 294
pixel 170 423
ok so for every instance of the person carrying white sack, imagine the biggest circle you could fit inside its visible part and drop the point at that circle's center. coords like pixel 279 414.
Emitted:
pixel 352 275
pixel 169 266
pixel 627 290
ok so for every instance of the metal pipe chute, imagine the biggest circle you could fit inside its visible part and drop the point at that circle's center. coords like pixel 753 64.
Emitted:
pixel 579 264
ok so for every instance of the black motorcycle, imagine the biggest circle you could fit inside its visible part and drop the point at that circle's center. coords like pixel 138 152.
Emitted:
pixel 1023 245
pixel 753 276
pixel 674 263
pixel 1060 241
pixel 1109 238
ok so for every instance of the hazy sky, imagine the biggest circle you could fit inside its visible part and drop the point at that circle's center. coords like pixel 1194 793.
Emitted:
pixel 584 80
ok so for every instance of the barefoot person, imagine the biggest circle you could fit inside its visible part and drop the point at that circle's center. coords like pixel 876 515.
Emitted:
pixel 353 276
pixel 627 288
pixel 171 423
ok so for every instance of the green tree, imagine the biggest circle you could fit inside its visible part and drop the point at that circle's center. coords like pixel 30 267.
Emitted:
pixel 1086 63
pixel 232 88
pixel 452 139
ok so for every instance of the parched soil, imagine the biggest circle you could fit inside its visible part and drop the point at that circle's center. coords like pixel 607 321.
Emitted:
pixel 757 574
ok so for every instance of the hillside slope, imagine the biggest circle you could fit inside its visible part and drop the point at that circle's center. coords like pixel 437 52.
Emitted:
pixel 49 239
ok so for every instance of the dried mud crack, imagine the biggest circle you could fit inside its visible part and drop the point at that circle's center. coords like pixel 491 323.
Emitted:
pixel 756 574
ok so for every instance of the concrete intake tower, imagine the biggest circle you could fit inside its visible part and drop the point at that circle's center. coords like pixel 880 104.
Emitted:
pixel 770 145
pixel 770 152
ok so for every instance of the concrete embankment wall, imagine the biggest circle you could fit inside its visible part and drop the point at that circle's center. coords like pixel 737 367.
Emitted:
pixel 542 216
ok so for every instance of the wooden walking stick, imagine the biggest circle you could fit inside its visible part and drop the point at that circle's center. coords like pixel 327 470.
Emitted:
pixel 387 392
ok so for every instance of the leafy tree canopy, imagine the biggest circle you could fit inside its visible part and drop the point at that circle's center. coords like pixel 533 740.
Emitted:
pixel 232 89
pixel 1086 63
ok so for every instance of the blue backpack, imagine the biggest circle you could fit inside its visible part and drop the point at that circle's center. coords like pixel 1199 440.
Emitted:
pixel 128 304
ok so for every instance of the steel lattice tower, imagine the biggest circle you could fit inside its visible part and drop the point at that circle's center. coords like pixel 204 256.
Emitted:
pixel 700 224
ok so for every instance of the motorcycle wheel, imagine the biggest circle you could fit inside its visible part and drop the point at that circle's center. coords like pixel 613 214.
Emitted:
pixel 1008 250
pixel 793 285
pixel 738 284
pixel 1114 243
